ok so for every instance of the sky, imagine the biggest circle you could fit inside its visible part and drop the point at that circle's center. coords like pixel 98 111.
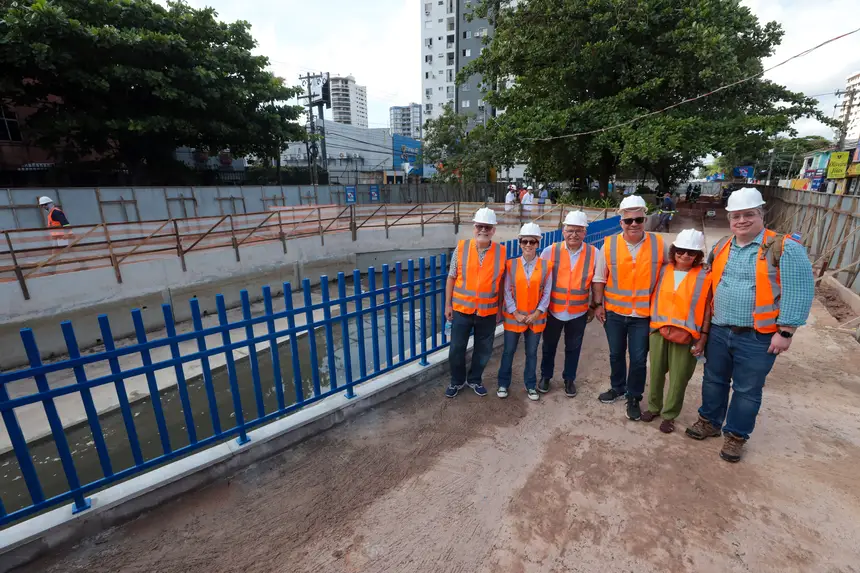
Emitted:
pixel 379 42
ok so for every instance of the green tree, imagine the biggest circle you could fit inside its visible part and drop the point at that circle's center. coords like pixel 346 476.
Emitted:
pixel 787 156
pixel 607 62
pixel 460 155
pixel 131 80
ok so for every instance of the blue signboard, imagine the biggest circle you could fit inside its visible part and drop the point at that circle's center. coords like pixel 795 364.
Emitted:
pixel 745 172
pixel 350 195
pixel 374 193
pixel 406 150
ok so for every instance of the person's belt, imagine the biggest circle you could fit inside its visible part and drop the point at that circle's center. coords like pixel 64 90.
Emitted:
pixel 741 329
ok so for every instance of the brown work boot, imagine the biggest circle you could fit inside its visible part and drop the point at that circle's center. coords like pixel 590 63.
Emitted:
pixel 703 429
pixel 648 415
pixel 732 448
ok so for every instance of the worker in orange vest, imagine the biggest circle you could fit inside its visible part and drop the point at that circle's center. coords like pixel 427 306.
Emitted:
pixel 573 263
pixel 680 320
pixel 626 274
pixel 527 290
pixel 763 291
pixel 56 220
pixel 472 301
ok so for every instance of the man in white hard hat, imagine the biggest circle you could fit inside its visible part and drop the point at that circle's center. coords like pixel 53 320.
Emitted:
pixel 527 286
pixel 472 301
pixel 511 197
pixel 56 220
pixel 626 274
pixel 763 291
pixel 528 199
pixel 573 264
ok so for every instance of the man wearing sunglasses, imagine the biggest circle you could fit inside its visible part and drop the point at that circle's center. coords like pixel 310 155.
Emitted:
pixel 472 301
pixel 626 274
pixel 572 272
pixel 763 291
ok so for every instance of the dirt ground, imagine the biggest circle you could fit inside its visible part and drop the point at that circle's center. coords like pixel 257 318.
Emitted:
pixel 831 300
pixel 484 485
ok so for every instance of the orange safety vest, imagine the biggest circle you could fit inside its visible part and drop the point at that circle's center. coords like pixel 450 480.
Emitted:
pixel 684 307
pixel 570 287
pixel 527 293
pixel 52 224
pixel 768 286
pixel 476 290
pixel 629 284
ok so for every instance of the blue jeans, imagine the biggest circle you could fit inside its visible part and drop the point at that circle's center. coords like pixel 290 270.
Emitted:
pixel 530 371
pixel 627 333
pixel 574 329
pixel 740 362
pixel 463 326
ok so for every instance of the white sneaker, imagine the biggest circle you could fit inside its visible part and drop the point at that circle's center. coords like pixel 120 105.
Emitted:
pixel 533 395
pixel 502 392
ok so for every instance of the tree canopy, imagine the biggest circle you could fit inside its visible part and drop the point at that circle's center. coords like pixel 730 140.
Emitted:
pixel 460 155
pixel 132 80
pixel 783 155
pixel 607 62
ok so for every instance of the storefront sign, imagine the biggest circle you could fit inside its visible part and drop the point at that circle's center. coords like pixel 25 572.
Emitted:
pixel 838 165
pixel 350 195
pixel 374 193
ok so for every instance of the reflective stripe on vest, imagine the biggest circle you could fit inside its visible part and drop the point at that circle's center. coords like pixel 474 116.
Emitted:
pixel 637 299
pixel 572 298
pixel 477 292
pixel 683 307
pixel 527 294
pixel 768 285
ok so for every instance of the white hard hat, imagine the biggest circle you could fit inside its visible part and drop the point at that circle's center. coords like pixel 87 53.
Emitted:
pixel 512 186
pixel 529 187
pixel 690 239
pixel 44 200
pixel 744 198
pixel 530 230
pixel 540 186
pixel 577 218
pixel 485 215
pixel 632 202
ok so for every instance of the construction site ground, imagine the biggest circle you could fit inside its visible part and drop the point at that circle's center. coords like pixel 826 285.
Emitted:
pixel 427 484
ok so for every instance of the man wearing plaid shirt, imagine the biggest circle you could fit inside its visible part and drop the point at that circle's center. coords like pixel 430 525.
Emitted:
pixel 763 290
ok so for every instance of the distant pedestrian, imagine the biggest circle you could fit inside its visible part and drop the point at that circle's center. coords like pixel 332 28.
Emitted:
pixel 527 200
pixel 56 220
pixel 688 193
pixel 511 197
pixel 667 211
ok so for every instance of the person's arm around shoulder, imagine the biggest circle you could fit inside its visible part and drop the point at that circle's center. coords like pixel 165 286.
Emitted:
pixel 598 285
pixel 449 285
pixel 698 348
pixel 798 290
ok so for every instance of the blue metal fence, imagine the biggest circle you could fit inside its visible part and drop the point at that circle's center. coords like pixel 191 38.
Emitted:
pixel 174 430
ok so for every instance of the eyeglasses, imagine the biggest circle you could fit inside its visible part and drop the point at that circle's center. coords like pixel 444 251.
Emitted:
pixel 526 242
pixel 688 252
pixel 486 228
pixel 746 215
pixel 569 231
pixel 630 221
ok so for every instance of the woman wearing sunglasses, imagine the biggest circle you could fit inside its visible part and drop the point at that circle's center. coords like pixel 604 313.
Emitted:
pixel 527 290
pixel 680 321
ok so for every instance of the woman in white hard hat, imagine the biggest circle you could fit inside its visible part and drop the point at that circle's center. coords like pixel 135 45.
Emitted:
pixel 528 199
pixel 527 290
pixel 680 321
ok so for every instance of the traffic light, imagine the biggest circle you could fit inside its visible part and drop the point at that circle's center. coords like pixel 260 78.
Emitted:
pixel 326 93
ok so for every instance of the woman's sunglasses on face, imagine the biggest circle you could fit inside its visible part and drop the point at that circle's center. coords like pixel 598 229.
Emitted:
pixel 630 221
pixel 688 252
pixel 526 242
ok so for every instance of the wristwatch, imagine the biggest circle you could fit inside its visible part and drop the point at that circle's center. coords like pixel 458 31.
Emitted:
pixel 785 333
pixel 595 304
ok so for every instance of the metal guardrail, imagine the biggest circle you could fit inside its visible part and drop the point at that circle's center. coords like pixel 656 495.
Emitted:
pixel 421 295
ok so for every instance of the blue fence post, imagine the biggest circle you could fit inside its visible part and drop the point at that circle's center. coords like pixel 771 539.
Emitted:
pixel 410 265
pixel 398 269
pixel 443 280
pixel 87 398
pixel 386 302
pixel 273 347
pixel 19 446
pixel 433 310
pixel 187 412
pixel 422 289
pixel 329 335
pixel 121 394
pixel 152 384
pixel 344 325
pixel 374 319
pixel 252 353
pixel 231 369
pixel 298 381
pixel 359 323
pixel 57 431
pixel 312 338
pixel 207 370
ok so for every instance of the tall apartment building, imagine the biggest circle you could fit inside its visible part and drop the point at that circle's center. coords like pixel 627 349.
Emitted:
pixel 406 120
pixel 348 101
pixel 449 42
pixel 853 128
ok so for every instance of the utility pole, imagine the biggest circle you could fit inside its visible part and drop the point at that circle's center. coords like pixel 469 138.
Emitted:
pixel 309 80
pixel 847 107
pixel 770 165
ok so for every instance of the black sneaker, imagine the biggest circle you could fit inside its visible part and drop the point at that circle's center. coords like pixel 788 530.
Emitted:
pixel 543 385
pixel 569 388
pixel 610 396
pixel 452 390
pixel 633 410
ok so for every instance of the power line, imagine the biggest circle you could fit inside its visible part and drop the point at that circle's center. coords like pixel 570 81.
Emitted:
pixel 698 97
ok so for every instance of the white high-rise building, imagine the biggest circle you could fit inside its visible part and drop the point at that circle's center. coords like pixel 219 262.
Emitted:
pixel 348 101
pixel 406 120
pixel 853 128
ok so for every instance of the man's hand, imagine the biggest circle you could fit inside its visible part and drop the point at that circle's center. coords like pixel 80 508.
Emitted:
pixel 533 317
pixel 778 344
pixel 521 317
pixel 600 313
pixel 699 348
pixel 449 313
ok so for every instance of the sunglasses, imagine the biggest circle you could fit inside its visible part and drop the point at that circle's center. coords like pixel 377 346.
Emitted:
pixel 637 220
pixel 529 242
pixel 688 252
pixel 483 228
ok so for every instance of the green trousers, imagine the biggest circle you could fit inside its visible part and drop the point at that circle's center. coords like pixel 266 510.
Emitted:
pixel 680 364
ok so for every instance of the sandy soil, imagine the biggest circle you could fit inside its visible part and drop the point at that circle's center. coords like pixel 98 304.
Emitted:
pixel 486 485
pixel 831 300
